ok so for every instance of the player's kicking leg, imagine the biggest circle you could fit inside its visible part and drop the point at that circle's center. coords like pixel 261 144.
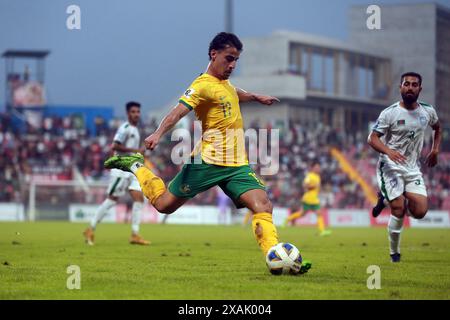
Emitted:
pixel 264 230
pixel 152 186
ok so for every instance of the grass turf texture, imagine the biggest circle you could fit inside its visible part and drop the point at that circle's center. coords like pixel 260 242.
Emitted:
pixel 215 262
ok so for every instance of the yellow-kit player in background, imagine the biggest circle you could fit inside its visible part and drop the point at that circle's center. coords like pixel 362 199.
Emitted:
pixel 311 200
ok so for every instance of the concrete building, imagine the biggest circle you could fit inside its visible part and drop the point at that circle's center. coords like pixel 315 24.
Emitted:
pixel 347 84
pixel 416 37
pixel 318 79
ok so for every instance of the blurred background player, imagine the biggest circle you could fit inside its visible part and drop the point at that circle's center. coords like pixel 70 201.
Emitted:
pixel 216 104
pixel 398 136
pixel 126 141
pixel 311 200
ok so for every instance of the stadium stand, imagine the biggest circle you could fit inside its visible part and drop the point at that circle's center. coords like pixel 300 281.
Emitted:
pixel 60 146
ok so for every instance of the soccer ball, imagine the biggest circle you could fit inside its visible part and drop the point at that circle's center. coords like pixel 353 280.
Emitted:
pixel 284 258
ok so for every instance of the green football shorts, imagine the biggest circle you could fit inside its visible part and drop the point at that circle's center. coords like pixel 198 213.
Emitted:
pixel 310 207
pixel 197 178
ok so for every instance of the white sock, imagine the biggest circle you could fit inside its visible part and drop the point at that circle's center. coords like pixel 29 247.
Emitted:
pixel 102 211
pixel 135 166
pixel 136 216
pixel 395 227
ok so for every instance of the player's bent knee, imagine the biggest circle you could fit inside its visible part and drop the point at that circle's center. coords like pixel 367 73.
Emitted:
pixel 165 209
pixel 419 214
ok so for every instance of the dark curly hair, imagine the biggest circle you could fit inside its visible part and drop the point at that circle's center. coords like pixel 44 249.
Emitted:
pixel 223 39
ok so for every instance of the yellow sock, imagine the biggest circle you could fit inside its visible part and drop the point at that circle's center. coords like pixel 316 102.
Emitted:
pixel 265 231
pixel 320 223
pixel 152 186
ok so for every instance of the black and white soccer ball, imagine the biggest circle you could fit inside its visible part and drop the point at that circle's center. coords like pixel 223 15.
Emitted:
pixel 284 258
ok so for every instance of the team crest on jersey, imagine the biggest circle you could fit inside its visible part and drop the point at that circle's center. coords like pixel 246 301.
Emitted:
pixel 401 122
pixel 394 182
pixel 189 93
pixel 423 120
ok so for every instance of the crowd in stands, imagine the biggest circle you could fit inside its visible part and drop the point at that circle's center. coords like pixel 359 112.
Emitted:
pixel 300 146
pixel 59 146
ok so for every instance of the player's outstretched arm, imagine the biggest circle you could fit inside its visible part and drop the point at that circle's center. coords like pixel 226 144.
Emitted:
pixel 245 96
pixel 432 158
pixel 166 124
pixel 375 142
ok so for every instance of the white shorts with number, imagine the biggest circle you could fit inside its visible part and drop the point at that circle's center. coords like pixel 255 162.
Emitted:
pixel 394 180
pixel 121 181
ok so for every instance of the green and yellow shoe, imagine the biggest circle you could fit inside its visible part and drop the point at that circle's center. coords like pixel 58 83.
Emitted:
pixel 124 163
pixel 306 265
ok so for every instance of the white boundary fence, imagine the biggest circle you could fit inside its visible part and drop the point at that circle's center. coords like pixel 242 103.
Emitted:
pixel 207 215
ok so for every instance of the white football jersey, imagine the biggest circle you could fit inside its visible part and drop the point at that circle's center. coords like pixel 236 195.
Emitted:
pixel 404 131
pixel 128 136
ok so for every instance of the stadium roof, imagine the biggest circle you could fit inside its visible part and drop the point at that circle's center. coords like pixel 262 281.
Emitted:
pixel 25 53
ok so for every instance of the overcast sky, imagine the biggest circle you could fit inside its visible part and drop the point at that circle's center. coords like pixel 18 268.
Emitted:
pixel 149 51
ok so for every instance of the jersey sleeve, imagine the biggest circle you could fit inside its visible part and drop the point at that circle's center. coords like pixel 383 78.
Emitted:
pixel 382 125
pixel 121 135
pixel 193 96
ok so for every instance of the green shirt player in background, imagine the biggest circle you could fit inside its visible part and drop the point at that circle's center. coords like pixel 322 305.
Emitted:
pixel 398 136
pixel 223 160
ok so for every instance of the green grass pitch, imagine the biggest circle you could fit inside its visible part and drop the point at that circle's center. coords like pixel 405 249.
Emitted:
pixel 215 263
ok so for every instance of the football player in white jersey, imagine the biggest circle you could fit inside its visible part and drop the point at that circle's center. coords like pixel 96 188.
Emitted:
pixel 398 136
pixel 126 141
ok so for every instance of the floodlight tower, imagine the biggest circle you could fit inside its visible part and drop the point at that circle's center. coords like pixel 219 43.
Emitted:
pixel 13 77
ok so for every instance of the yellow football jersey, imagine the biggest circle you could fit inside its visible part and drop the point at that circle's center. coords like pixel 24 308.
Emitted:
pixel 312 196
pixel 216 104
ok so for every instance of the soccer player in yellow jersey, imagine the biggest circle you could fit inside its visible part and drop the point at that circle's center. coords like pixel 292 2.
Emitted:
pixel 220 158
pixel 310 200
